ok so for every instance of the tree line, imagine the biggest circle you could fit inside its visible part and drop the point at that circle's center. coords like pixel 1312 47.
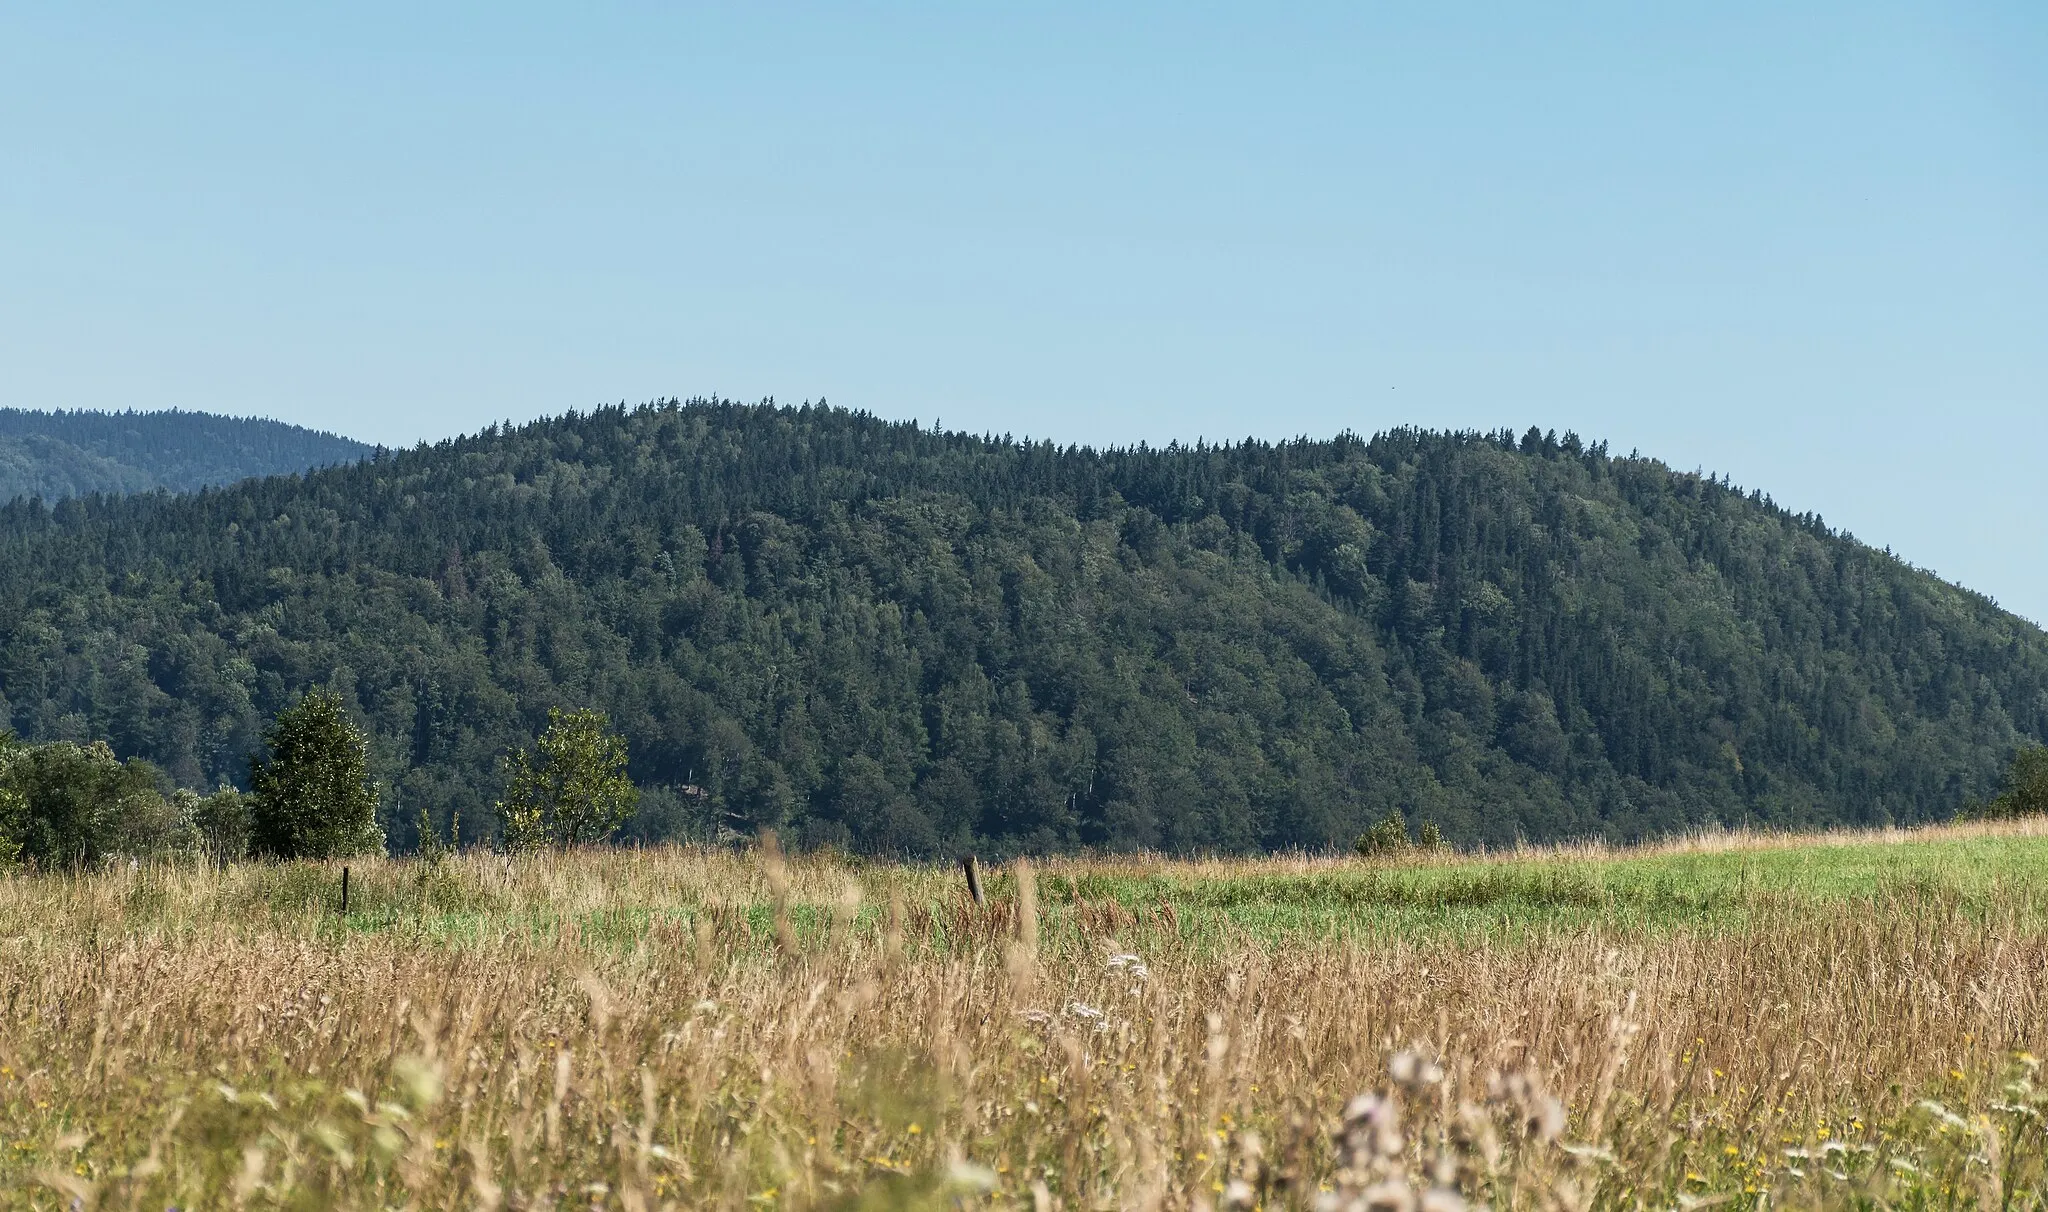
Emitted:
pixel 53 455
pixel 895 639
pixel 65 805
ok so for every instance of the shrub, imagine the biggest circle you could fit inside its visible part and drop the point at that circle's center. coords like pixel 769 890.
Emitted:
pixel 2026 782
pixel 65 804
pixel 146 824
pixel 313 794
pixel 1432 838
pixel 2026 788
pixel 13 806
pixel 225 821
pixel 570 788
pixel 1390 836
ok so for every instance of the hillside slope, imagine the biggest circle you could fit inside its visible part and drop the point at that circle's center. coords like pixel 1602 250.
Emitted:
pixel 68 454
pixel 876 635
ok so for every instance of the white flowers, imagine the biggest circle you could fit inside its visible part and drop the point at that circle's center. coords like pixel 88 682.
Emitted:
pixel 1126 962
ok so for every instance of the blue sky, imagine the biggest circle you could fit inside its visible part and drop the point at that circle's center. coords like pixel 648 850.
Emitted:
pixel 1803 245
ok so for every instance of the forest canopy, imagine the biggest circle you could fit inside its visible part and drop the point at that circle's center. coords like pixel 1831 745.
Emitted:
pixel 66 454
pixel 883 637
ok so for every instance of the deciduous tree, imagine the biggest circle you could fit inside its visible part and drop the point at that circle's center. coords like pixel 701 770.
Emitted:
pixel 314 798
pixel 570 788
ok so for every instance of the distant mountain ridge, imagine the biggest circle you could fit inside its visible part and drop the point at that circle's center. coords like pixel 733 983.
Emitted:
pixel 55 455
pixel 874 635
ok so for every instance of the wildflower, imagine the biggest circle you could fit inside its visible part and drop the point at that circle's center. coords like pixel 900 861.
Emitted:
pixel 1412 1069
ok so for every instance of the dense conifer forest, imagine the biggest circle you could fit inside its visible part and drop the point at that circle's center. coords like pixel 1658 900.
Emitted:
pixel 877 636
pixel 67 454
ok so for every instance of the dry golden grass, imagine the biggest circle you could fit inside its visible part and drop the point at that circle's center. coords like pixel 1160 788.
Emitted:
pixel 648 1029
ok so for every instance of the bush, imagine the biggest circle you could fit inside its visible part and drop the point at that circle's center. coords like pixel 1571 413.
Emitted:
pixel 225 821
pixel 146 824
pixel 571 788
pixel 1432 838
pixel 2026 782
pixel 63 804
pixel 1390 836
pixel 313 794
pixel 2026 788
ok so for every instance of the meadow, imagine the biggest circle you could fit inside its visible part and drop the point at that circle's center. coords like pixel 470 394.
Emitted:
pixel 1733 1021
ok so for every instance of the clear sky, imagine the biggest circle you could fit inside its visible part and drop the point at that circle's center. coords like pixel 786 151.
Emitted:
pixel 1805 245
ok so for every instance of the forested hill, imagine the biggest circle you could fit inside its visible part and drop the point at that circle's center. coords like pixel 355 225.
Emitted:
pixel 876 635
pixel 69 454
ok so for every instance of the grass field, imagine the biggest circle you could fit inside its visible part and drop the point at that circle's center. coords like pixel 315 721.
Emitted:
pixel 1731 1021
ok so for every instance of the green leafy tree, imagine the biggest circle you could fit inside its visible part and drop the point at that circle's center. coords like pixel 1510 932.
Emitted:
pixel 64 804
pixel 13 804
pixel 1390 836
pixel 313 794
pixel 225 821
pixel 571 787
pixel 2026 785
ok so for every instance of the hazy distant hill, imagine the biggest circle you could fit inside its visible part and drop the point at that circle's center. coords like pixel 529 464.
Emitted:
pixel 67 454
pixel 896 639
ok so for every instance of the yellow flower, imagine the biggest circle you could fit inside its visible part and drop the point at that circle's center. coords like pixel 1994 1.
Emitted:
pixel 914 1129
pixel 1957 1074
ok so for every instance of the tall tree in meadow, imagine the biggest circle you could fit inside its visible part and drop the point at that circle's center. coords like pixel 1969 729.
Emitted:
pixel 571 788
pixel 314 798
